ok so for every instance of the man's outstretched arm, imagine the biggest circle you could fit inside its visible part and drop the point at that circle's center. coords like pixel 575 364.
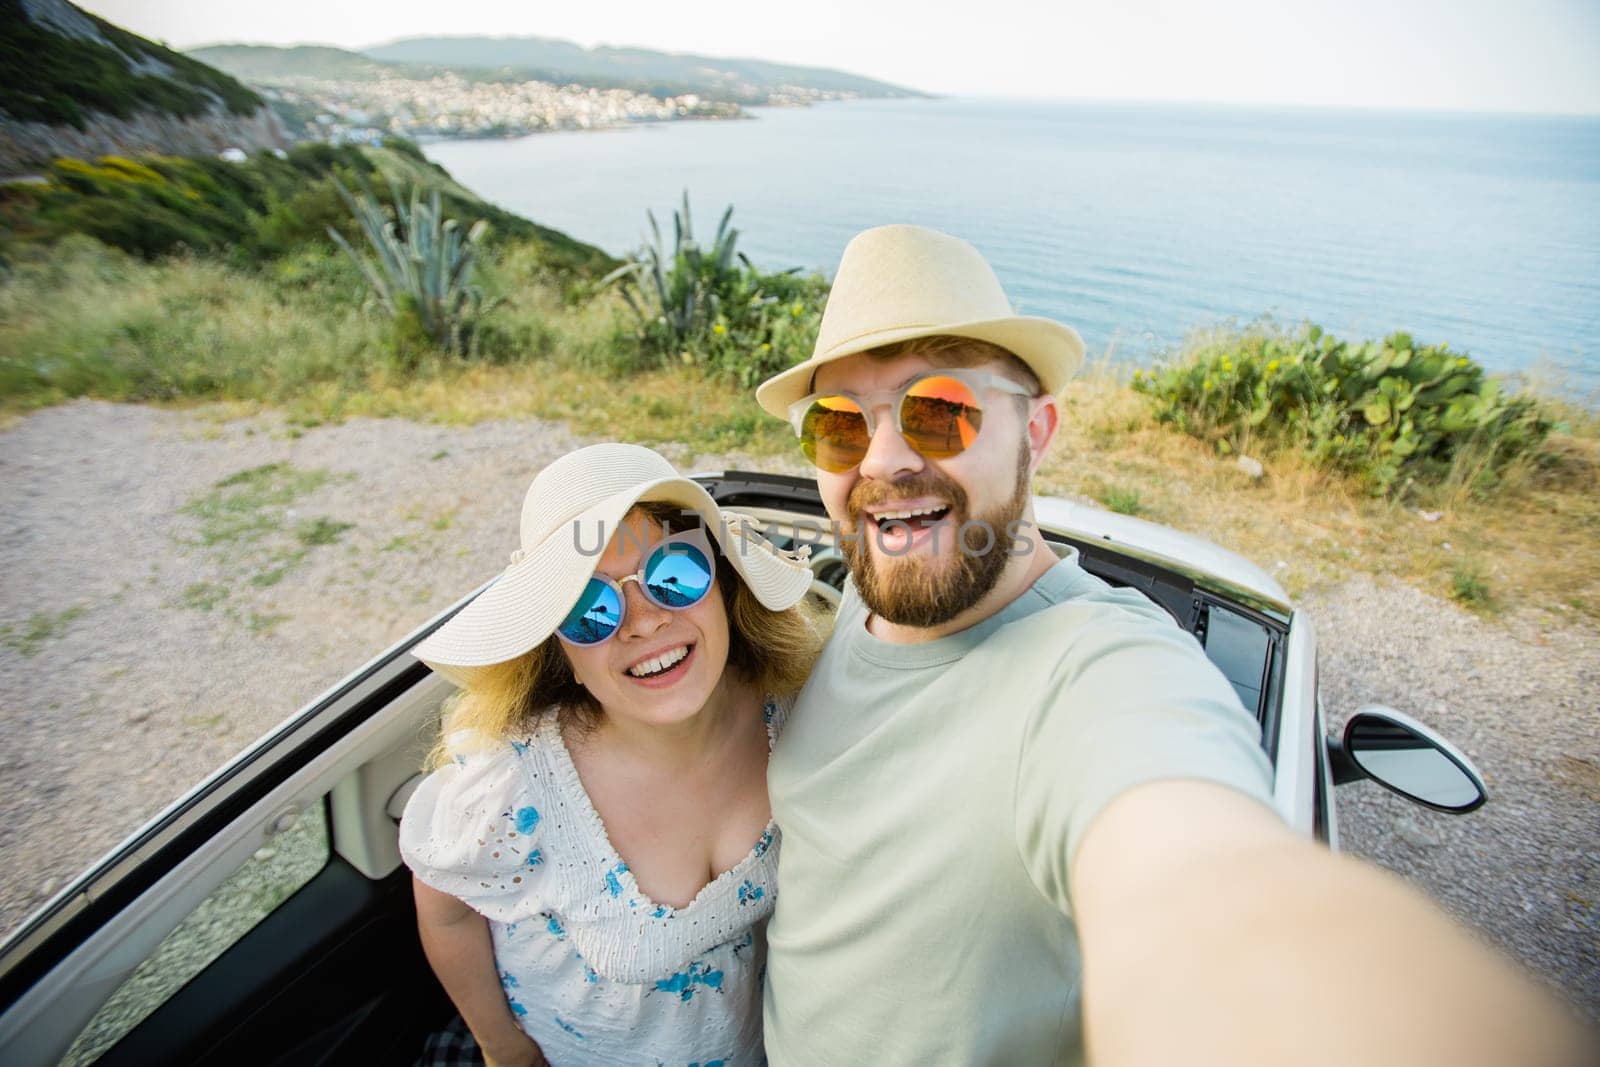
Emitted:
pixel 1211 934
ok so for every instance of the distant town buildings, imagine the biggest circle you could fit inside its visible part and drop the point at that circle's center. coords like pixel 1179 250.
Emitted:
pixel 449 105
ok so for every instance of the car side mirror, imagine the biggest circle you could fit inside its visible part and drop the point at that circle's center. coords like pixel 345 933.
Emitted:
pixel 1407 758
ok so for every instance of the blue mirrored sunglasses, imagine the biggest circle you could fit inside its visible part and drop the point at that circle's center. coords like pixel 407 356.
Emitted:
pixel 676 573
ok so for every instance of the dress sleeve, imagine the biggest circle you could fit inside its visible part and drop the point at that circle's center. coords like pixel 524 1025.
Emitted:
pixel 473 830
pixel 1132 700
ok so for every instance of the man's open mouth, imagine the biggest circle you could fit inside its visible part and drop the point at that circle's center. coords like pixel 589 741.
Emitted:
pixel 914 517
pixel 898 530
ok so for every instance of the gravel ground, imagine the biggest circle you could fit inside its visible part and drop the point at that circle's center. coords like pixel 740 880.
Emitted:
pixel 153 622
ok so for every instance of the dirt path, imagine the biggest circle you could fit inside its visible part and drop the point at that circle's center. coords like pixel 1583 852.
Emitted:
pixel 173 586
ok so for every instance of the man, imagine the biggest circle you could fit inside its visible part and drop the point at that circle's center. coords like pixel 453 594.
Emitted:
pixel 1002 768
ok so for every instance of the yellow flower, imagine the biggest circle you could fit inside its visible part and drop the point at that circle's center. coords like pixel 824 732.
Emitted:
pixel 797 310
pixel 719 329
pixel 765 347
pixel 1227 365
pixel 1206 384
pixel 1462 361
pixel 1272 366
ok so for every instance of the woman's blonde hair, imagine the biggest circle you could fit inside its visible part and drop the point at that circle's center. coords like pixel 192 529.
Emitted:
pixel 773 650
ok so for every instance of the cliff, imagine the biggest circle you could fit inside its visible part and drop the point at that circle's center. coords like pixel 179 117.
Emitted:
pixel 75 85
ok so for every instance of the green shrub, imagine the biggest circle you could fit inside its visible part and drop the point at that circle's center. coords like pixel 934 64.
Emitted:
pixel 257 210
pixel 1469 587
pixel 1122 499
pixel 154 206
pixel 1391 413
pixel 712 307
pixel 301 219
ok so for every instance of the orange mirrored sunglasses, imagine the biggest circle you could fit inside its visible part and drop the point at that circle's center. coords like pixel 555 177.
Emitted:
pixel 938 414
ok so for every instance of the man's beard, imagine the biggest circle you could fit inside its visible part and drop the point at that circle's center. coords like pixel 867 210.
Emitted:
pixel 913 591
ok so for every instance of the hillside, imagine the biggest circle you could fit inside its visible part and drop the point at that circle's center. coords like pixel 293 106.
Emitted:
pixel 72 84
pixel 263 63
pixel 274 65
pixel 749 81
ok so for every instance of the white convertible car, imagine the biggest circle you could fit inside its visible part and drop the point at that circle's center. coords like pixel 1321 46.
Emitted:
pixel 266 916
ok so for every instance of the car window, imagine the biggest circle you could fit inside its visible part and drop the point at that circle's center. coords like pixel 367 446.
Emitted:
pixel 286 863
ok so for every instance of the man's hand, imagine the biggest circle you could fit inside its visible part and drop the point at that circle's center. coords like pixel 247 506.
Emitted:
pixel 1211 934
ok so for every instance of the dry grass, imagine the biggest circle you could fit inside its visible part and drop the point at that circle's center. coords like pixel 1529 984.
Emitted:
pixel 1535 541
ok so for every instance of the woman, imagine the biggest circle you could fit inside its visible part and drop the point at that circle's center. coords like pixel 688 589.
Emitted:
pixel 594 857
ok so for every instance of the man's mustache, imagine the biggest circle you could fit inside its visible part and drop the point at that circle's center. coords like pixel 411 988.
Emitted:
pixel 870 492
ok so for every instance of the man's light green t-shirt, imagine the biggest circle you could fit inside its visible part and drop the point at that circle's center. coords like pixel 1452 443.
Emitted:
pixel 931 797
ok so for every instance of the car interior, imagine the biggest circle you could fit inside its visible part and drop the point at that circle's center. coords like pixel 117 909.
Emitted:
pixel 268 918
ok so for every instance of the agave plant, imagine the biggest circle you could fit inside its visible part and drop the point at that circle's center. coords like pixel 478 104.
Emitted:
pixel 423 263
pixel 679 290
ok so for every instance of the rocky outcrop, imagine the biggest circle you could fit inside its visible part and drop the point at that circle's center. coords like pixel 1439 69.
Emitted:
pixel 24 146
pixel 76 85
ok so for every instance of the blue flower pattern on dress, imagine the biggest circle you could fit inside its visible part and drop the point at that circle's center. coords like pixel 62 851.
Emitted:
pixel 749 892
pixel 568 1027
pixel 684 982
pixel 555 927
pixel 536 857
pixel 661 912
pixel 613 884
pixel 527 819
pixel 508 981
pixel 764 844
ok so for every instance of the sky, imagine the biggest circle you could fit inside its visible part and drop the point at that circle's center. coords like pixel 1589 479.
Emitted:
pixel 1471 55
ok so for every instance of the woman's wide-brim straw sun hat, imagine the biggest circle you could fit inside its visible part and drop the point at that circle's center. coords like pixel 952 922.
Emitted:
pixel 898 283
pixel 572 509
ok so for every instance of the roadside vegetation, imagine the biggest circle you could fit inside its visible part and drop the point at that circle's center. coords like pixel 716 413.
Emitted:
pixel 341 282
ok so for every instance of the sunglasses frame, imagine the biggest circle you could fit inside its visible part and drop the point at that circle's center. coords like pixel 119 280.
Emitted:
pixel 694 537
pixel 976 380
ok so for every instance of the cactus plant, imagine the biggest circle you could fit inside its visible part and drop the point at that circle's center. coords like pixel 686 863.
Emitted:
pixel 423 264
pixel 711 306
pixel 677 291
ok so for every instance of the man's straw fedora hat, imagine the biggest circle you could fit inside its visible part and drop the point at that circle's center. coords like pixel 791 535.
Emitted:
pixel 572 510
pixel 896 283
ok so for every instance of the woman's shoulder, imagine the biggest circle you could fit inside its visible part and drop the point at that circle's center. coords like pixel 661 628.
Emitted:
pixel 477 827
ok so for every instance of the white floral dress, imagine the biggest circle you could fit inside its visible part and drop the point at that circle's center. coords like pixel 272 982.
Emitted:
pixel 594 970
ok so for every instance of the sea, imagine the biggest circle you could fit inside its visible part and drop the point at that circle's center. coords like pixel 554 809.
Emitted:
pixel 1138 224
